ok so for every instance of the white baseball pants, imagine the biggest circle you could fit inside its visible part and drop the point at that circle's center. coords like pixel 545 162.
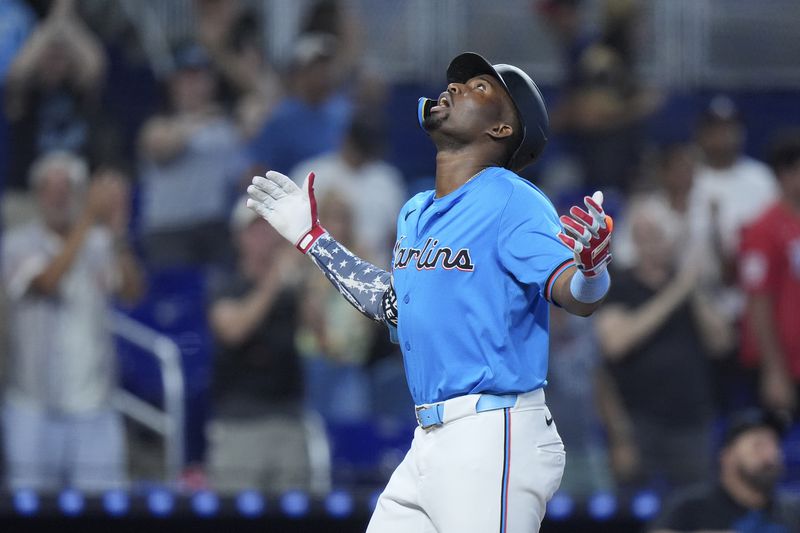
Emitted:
pixel 485 472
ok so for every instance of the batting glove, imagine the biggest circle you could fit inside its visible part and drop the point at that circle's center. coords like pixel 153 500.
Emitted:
pixel 290 209
pixel 588 234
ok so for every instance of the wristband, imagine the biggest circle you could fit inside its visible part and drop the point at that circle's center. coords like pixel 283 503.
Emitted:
pixel 307 240
pixel 589 290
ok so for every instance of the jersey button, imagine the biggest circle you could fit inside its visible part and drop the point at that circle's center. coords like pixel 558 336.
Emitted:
pixel 407 298
pixel 408 346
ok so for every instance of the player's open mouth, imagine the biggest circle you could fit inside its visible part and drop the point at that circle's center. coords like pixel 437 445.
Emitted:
pixel 442 102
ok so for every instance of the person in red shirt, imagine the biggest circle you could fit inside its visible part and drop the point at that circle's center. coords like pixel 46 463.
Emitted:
pixel 769 272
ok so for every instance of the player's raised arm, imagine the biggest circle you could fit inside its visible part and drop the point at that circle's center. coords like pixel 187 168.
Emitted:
pixel 588 234
pixel 292 211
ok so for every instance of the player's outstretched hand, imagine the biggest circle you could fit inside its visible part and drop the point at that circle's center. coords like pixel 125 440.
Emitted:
pixel 588 234
pixel 290 209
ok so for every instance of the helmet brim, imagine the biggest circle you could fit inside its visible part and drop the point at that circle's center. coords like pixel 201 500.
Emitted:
pixel 468 65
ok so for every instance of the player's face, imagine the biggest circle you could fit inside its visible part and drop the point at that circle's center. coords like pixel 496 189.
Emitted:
pixel 467 111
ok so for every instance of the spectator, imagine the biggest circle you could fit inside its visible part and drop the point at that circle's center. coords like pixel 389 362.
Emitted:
pixel 602 107
pixel 53 94
pixel 59 274
pixel 731 190
pixel 603 117
pixel 335 339
pixel 256 436
pixel 657 330
pixel 563 18
pixel 16 23
pixel 313 118
pixel 675 167
pixel 336 18
pixel 676 170
pixel 232 34
pixel 373 189
pixel 621 24
pixel 769 273
pixel 744 497
pixel 191 158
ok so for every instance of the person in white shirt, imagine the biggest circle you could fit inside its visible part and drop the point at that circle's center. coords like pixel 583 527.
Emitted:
pixel 730 191
pixel 59 273
pixel 374 188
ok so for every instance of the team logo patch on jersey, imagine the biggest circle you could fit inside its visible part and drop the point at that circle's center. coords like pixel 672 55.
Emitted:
pixel 432 256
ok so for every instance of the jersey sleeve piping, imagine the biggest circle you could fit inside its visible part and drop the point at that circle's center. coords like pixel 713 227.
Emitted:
pixel 554 275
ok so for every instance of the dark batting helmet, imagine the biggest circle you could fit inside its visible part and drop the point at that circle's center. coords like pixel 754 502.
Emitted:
pixel 524 94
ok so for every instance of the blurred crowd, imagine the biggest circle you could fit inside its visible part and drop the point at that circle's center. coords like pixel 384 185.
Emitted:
pixel 121 174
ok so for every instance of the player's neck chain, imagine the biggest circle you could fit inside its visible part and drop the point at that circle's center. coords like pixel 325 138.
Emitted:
pixel 475 175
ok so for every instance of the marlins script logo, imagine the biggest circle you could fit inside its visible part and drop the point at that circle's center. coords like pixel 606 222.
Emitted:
pixel 431 256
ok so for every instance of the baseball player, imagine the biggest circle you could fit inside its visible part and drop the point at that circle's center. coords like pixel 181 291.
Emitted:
pixel 476 265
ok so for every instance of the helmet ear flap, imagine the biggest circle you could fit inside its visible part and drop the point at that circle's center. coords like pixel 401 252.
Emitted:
pixel 424 110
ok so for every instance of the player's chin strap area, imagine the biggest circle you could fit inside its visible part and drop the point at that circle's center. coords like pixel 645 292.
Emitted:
pixel 424 110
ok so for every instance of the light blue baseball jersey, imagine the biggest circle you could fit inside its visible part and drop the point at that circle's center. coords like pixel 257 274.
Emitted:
pixel 473 272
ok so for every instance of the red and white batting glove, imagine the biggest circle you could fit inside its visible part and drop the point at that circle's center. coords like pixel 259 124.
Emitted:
pixel 588 234
pixel 290 209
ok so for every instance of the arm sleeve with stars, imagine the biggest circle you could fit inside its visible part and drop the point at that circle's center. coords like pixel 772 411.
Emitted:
pixel 367 287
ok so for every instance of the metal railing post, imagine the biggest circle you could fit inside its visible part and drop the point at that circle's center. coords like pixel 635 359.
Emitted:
pixel 170 423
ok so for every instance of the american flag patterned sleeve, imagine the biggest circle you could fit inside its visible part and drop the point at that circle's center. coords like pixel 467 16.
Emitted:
pixel 363 284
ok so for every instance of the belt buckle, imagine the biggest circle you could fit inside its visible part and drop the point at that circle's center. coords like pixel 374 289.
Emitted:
pixel 418 409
